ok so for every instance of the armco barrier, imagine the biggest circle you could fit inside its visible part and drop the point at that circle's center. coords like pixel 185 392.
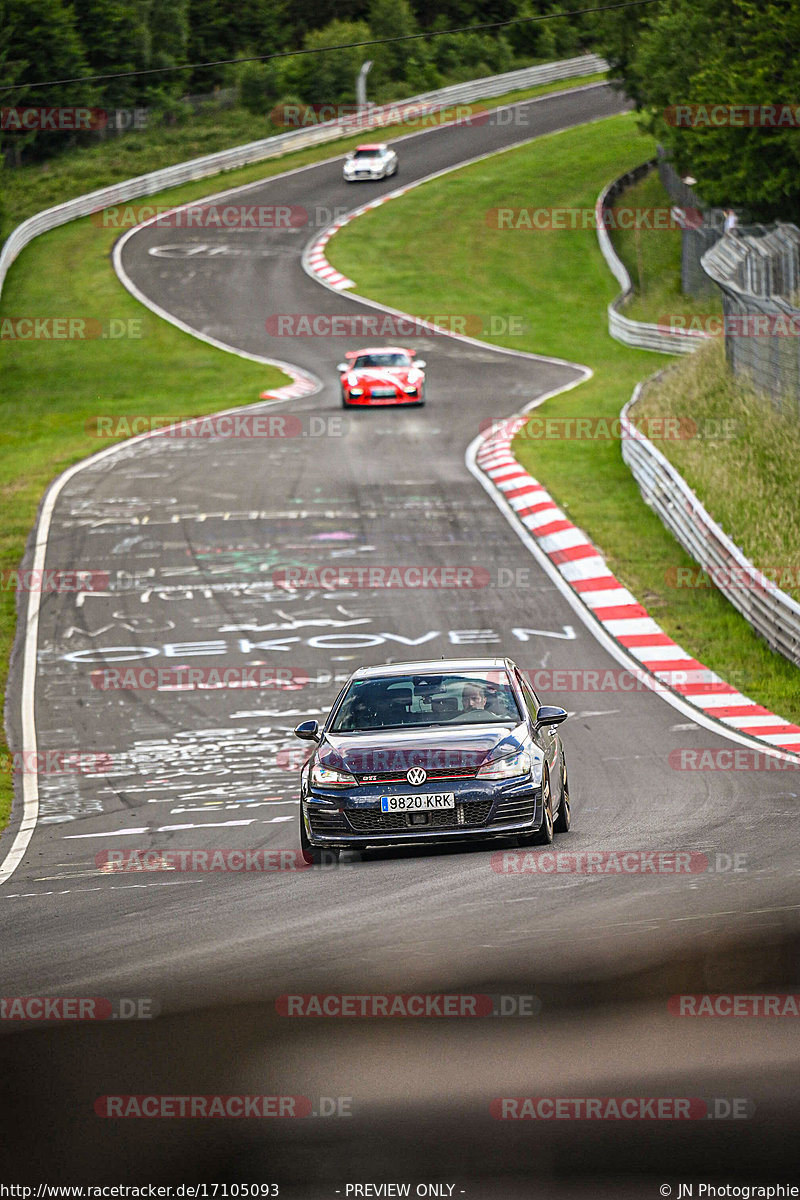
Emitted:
pixel 770 611
pixel 240 156
pixel 639 334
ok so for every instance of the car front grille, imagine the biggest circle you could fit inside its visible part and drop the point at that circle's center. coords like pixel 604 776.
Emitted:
pixel 520 808
pixel 400 776
pixel 470 813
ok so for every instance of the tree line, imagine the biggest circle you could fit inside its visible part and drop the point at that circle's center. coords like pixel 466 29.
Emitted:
pixel 42 40
pixel 674 57
pixel 718 83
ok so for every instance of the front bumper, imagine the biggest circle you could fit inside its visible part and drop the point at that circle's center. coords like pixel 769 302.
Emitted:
pixel 353 821
pixel 370 401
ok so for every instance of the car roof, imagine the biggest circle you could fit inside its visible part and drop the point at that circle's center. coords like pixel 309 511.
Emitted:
pixel 372 146
pixel 432 666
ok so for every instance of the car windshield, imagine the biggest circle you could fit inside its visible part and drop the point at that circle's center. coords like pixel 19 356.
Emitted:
pixel 400 701
pixel 367 153
pixel 382 360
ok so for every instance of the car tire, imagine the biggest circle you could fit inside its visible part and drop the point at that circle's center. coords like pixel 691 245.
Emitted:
pixel 564 819
pixel 544 835
pixel 315 856
pixel 344 400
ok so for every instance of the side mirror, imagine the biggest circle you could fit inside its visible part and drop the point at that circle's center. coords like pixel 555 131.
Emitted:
pixel 350 154
pixel 420 362
pixel 308 731
pixel 342 367
pixel 550 714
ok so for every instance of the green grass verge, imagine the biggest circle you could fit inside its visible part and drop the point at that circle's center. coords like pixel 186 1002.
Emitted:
pixel 653 259
pixel 50 389
pixel 559 284
pixel 30 189
pixel 751 482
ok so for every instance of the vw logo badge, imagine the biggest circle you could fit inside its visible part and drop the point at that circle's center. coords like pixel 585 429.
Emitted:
pixel 416 775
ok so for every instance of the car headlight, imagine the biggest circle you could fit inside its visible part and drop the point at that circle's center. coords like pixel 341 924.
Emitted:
pixel 507 768
pixel 411 391
pixel 356 391
pixel 328 777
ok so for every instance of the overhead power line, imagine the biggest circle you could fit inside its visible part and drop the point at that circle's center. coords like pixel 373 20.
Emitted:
pixel 406 37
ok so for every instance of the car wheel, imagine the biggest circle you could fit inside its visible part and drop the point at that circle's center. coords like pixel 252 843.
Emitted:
pixel 315 856
pixel 344 400
pixel 544 836
pixel 563 820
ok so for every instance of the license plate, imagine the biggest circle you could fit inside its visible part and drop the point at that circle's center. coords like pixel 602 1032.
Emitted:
pixel 428 802
pixel 384 392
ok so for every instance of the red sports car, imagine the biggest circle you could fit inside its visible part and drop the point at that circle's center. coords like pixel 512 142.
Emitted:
pixel 383 375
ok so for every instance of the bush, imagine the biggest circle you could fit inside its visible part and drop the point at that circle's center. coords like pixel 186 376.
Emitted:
pixel 259 86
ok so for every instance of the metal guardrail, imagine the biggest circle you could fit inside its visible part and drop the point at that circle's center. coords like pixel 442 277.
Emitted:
pixel 639 334
pixel 252 152
pixel 770 611
pixel 758 270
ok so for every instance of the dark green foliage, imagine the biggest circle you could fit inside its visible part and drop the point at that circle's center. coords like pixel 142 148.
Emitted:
pixel 718 52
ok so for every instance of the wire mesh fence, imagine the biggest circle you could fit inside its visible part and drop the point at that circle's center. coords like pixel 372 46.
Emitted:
pixel 695 239
pixel 758 271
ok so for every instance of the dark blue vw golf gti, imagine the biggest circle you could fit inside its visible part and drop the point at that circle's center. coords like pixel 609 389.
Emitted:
pixel 431 752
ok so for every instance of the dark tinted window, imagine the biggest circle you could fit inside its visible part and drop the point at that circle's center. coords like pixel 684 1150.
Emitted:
pixel 431 699
pixel 382 360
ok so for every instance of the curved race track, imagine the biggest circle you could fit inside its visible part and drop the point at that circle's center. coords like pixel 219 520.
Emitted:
pixel 191 531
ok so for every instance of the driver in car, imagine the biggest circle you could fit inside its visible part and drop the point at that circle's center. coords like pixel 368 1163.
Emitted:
pixel 473 697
